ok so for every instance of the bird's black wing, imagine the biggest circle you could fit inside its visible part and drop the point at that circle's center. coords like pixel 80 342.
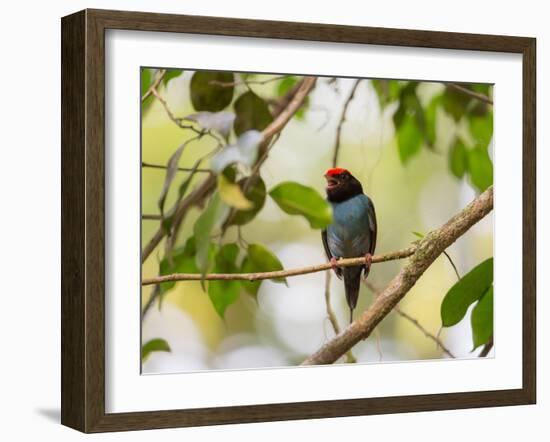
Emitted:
pixel 373 227
pixel 337 270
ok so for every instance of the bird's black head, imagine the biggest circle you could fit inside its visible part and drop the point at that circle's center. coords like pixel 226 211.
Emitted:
pixel 341 185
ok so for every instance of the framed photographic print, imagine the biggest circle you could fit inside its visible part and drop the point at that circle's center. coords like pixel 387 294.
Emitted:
pixel 266 220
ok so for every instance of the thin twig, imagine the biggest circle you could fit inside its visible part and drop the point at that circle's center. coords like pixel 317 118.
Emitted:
pixel 258 276
pixel 341 122
pixel 182 169
pixel 486 349
pixel 151 217
pixel 471 93
pixel 245 82
pixel 420 327
pixel 453 264
pixel 160 76
pixel 412 320
pixel 427 251
pixel 350 358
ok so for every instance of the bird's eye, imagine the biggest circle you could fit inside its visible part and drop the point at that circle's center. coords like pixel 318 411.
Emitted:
pixel 346 176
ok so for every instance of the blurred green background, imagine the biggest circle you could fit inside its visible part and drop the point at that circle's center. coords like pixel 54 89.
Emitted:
pixel 416 186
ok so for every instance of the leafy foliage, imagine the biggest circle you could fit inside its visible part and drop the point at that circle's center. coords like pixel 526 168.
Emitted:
pixel 458 158
pixel 409 138
pixel 259 259
pixel 221 122
pixel 232 194
pixel 224 293
pixel 416 125
pixel 480 167
pixel 210 91
pixel 213 216
pixel 252 113
pixel 171 169
pixel 256 194
pixel 152 346
pixel 244 151
pixel 482 319
pixel 297 199
pixel 146 81
pixel 170 75
pixel 475 286
pixel 465 292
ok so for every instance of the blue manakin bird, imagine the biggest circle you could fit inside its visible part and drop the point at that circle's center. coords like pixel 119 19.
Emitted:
pixel 352 232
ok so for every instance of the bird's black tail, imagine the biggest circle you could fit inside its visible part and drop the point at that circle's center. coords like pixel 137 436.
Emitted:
pixel 352 284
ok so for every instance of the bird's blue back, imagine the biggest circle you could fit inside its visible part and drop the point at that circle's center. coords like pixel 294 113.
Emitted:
pixel 350 234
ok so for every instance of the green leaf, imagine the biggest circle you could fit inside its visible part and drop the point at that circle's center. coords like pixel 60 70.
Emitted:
pixel 409 138
pixel 146 80
pixel 180 260
pixel 297 199
pixel 208 92
pixel 465 292
pixel 222 122
pixel 455 102
pixel 243 151
pixel 171 170
pixel 418 234
pixel 214 215
pixel 480 168
pixel 409 105
pixel 260 259
pixel 154 345
pixel 481 129
pixel 255 193
pixel 458 159
pixel 170 75
pixel 224 293
pixel 232 194
pixel 252 113
pixel 387 91
pixel 482 319
pixel 430 116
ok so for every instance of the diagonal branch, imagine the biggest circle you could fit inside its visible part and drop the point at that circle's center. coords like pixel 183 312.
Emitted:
pixel 425 254
pixel 471 93
pixel 259 276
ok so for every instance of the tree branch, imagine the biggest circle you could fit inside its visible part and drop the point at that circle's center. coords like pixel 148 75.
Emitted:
pixel 160 76
pixel 341 122
pixel 425 254
pixel 181 169
pixel 259 276
pixel 486 349
pixel 286 114
pixel 471 93
pixel 209 184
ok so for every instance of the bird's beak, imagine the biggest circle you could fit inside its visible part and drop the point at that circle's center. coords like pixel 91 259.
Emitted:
pixel 331 182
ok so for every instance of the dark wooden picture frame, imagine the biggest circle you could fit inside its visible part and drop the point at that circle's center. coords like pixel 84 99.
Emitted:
pixel 83 220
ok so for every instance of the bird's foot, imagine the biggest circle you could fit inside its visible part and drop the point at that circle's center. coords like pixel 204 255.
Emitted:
pixel 368 259
pixel 334 263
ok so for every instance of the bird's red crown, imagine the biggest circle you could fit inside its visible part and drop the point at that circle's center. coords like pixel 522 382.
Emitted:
pixel 336 171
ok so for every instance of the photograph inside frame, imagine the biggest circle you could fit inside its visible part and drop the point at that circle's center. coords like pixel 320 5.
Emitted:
pixel 279 211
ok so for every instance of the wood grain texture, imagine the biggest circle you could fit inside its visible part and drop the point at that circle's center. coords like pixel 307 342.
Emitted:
pixel 72 221
pixel 83 218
